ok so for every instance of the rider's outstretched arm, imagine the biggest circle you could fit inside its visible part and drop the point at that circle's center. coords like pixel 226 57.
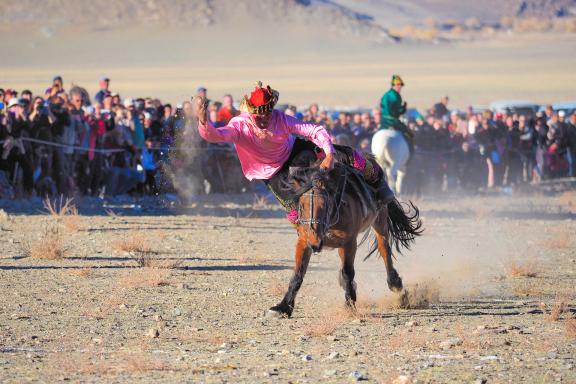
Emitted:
pixel 228 134
pixel 315 133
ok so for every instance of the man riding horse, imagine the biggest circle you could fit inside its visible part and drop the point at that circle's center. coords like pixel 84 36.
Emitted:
pixel 269 142
pixel 392 107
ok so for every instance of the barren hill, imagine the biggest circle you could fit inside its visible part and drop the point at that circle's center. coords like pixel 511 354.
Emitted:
pixel 370 19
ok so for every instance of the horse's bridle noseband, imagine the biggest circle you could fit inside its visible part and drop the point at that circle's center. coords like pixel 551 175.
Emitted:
pixel 332 208
pixel 311 221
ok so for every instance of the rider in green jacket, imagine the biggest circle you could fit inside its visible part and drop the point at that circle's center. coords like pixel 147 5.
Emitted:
pixel 392 107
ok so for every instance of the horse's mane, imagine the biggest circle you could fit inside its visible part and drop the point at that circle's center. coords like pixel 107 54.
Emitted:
pixel 302 179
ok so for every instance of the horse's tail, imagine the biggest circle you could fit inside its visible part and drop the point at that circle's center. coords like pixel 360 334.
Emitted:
pixel 404 225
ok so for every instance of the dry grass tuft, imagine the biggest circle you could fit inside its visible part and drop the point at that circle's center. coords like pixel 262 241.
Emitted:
pixel 137 245
pixel 134 242
pixel 111 213
pixel 145 277
pixel 65 211
pixel 82 272
pixel 72 221
pixel 570 326
pixel 58 207
pixel 527 289
pixel 49 246
pixel 516 268
pixel 144 259
pixel 559 307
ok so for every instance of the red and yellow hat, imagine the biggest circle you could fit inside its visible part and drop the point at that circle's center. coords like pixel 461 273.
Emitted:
pixel 262 100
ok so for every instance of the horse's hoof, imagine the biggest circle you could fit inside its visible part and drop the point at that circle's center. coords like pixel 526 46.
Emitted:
pixel 395 283
pixel 271 314
pixel 277 312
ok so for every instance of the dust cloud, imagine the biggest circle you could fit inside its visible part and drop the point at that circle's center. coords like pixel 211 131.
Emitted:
pixel 461 255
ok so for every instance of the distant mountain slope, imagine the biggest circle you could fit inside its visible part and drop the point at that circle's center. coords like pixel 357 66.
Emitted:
pixel 190 13
pixel 370 19
pixel 391 12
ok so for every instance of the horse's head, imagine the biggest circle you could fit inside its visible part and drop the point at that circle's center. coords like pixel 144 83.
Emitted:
pixel 314 206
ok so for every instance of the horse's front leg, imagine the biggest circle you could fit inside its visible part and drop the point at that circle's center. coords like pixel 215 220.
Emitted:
pixel 347 255
pixel 302 258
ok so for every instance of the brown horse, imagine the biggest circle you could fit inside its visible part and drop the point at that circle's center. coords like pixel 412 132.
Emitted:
pixel 334 207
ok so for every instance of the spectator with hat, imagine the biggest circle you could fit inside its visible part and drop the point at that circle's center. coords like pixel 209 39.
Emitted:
pixel 57 87
pixel 104 84
pixel 9 94
pixel 201 91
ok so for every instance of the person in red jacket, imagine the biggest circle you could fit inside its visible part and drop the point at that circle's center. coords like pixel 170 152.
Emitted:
pixel 227 112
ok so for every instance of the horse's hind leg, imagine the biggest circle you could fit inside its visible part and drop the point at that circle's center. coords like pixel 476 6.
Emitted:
pixel 302 258
pixel 381 228
pixel 346 278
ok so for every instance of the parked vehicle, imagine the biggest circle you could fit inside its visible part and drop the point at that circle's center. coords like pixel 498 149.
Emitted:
pixel 521 107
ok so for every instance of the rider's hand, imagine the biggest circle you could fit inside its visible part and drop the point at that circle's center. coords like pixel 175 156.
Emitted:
pixel 201 109
pixel 328 162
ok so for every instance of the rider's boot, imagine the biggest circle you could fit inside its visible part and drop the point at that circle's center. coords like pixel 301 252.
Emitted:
pixel 374 175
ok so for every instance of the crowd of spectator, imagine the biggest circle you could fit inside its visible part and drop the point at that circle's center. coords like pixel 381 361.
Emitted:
pixel 65 142
pixel 470 150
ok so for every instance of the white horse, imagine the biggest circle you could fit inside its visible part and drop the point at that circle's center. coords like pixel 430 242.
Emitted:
pixel 392 153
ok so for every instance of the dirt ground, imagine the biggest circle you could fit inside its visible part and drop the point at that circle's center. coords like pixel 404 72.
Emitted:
pixel 491 282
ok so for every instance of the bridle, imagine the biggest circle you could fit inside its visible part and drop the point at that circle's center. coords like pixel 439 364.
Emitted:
pixel 311 221
pixel 333 210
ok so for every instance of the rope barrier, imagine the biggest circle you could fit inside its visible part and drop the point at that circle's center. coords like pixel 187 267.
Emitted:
pixel 116 150
pixel 417 151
